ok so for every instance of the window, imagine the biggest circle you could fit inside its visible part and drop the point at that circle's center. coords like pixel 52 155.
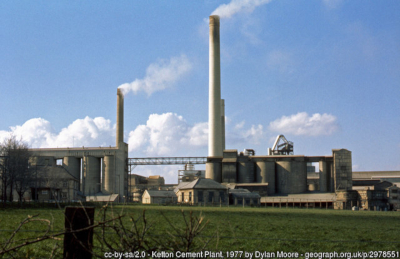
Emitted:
pixel 65 184
pixel 211 196
pixel 200 196
pixel 190 196
pixel 222 196
pixel 44 192
pixel 394 191
pixel 59 162
pixel 64 195
pixel 183 197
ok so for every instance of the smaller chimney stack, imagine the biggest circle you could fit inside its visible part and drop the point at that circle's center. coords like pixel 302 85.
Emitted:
pixel 223 123
pixel 120 117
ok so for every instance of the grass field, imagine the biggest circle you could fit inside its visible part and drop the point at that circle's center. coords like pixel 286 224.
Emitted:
pixel 237 229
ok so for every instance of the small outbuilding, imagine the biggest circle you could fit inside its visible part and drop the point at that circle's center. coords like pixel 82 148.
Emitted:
pixel 244 197
pixel 159 197
pixel 202 191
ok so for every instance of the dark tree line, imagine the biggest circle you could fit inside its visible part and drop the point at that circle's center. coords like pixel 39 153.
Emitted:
pixel 15 173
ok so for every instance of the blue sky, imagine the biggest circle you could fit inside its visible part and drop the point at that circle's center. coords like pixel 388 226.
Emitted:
pixel 325 74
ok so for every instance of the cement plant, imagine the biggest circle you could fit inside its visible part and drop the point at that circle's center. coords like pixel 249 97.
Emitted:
pixel 279 178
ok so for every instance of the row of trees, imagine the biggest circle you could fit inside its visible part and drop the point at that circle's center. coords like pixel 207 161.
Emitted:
pixel 15 173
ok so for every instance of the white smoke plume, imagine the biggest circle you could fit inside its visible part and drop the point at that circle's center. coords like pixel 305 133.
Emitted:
pixel 238 6
pixel 159 75
pixel 302 124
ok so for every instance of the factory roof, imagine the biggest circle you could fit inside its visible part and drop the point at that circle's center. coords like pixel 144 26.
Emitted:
pixel 155 177
pixel 310 197
pixel 157 193
pixel 239 191
pixel 375 174
pixel 181 185
pixel 248 195
pixel 200 183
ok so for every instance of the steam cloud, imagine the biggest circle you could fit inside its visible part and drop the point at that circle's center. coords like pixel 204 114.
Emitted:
pixel 238 6
pixel 302 124
pixel 159 75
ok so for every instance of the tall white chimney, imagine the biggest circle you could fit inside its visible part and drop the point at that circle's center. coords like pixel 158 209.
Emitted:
pixel 214 112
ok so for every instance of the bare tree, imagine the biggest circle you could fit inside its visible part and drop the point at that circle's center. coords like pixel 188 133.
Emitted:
pixel 3 176
pixel 50 178
pixel 15 173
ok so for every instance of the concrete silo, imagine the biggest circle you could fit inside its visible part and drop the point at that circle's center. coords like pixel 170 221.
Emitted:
pixel 291 176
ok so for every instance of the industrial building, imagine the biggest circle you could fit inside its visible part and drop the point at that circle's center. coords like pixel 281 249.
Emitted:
pixel 102 173
pixel 277 173
pixel 159 197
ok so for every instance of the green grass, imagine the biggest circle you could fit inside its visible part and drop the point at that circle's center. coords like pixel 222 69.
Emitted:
pixel 241 229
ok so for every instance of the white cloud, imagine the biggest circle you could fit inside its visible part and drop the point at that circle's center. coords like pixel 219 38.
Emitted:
pixel 160 75
pixel 198 134
pixel 241 135
pixel 35 132
pixel 302 124
pixel 167 134
pixel 239 125
pixel 38 133
pixel 87 132
pixel 238 6
pixel 255 134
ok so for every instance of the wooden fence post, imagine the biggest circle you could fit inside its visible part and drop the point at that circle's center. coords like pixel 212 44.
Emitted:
pixel 78 244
